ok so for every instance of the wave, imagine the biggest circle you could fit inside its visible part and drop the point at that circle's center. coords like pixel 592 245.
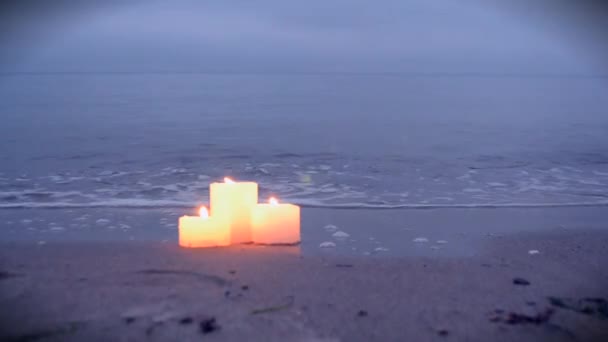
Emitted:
pixel 304 203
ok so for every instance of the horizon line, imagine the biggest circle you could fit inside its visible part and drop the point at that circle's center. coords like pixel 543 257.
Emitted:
pixel 438 74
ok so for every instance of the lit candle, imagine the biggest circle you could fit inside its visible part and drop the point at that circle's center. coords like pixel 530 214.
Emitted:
pixel 232 202
pixel 203 231
pixel 275 223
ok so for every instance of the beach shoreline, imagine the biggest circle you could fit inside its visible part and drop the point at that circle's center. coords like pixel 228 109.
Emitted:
pixel 493 288
pixel 448 232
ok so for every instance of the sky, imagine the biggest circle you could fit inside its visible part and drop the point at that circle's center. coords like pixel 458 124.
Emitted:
pixel 426 36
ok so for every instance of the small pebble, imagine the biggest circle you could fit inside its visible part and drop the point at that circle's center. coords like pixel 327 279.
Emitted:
pixel 421 239
pixel 442 241
pixel 186 320
pixel 327 244
pixel 209 325
pixel 533 251
pixel 520 281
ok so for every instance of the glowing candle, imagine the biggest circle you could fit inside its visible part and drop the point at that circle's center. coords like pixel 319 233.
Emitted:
pixel 275 223
pixel 232 202
pixel 203 231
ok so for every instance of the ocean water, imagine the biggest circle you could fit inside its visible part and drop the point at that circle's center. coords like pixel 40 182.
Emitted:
pixel 385 141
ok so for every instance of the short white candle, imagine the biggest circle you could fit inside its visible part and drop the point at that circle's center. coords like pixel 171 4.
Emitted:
pixel 203 231
pixel 275 223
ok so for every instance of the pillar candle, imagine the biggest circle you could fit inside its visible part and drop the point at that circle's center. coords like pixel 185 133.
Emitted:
pixel 203 231
pixel 232 202
pixel 275 223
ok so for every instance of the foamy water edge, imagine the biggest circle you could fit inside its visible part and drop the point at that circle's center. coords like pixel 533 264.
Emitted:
pixel 306 203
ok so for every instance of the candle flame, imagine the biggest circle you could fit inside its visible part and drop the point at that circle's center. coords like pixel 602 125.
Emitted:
pixel 204 212
pixel 228 180
pixel 273 201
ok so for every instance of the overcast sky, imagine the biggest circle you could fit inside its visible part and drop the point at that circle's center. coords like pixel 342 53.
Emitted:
pixel 293 36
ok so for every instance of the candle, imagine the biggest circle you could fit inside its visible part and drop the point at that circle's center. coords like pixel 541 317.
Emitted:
pixel 203 231
pixel 275 223
pixel 232 202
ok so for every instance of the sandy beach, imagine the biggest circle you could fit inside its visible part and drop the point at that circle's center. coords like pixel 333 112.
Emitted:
pixel 543 279
pixel 449 161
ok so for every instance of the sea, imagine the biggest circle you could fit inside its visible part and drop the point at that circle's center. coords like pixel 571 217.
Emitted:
pixel 156 140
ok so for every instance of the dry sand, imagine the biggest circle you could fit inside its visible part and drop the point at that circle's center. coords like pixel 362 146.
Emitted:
pixel 492 290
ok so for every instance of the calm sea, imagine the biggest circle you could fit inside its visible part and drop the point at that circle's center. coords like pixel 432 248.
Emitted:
pixel 140 140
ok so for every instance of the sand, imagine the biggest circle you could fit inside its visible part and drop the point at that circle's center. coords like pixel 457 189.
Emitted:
pixel 481 283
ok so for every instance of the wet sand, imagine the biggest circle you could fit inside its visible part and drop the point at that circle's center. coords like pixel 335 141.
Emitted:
pixel 481 283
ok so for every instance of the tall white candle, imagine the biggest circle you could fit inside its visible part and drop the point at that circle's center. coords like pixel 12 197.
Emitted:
pixel 232 202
